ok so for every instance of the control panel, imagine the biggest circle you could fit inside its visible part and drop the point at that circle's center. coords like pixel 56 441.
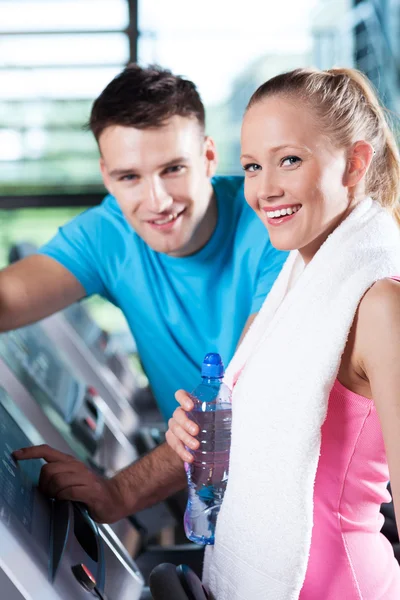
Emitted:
pixel 39 366
pixel 16 481
pixel 48 549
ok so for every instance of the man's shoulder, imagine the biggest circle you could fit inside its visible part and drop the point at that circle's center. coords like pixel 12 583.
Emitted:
pixel 94 226
pixel 230 195
pixel 249 239
pixel 229 187
pixel 107 215
pixel 109 209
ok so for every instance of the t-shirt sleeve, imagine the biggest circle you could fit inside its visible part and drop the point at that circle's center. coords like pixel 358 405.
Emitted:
pixel 270 265
pixel 74 247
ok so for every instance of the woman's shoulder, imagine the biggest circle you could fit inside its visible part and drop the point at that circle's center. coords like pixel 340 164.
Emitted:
pixel 381 300
pixel 378 319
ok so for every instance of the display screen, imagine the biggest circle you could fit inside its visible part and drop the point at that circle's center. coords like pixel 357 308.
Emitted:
pixel 17 480
pixel 35 361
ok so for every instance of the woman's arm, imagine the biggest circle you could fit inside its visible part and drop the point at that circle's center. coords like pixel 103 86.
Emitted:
pixel 378 349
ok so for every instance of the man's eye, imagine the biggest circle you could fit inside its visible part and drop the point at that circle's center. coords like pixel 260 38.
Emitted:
pixel 128 177
pixel 251 167
pixel 289 161
pixel 175 169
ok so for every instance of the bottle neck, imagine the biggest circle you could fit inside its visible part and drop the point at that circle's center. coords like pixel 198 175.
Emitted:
pixel 211 380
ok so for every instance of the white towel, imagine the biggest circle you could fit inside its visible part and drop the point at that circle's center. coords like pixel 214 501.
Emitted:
pixel 290 358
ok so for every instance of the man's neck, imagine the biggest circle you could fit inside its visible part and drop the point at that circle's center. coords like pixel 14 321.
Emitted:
pixel 206 227
pixel 209 222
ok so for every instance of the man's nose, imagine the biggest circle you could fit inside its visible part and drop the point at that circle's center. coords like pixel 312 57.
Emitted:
pixel 159 199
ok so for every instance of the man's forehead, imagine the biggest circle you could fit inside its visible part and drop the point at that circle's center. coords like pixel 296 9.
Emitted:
pixel 127 148
pixel 179 128
pixel 177 138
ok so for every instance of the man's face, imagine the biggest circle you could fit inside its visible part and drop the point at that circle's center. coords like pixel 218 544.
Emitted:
pixel 161 180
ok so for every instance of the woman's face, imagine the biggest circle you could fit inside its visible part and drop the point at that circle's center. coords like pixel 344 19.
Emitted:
pixel 295 179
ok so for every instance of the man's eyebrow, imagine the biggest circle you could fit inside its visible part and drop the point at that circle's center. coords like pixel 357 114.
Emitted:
pixel 121 172
pixel 132 170
pixel 175 161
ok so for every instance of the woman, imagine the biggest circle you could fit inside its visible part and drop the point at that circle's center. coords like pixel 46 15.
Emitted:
pixel 316 403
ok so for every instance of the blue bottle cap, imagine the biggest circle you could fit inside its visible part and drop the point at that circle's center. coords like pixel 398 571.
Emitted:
pixel 212 366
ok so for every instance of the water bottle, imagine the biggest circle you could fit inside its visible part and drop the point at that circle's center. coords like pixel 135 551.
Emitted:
pixel 208 473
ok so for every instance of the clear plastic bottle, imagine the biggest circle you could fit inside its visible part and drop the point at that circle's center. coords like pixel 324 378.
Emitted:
pixel 208 474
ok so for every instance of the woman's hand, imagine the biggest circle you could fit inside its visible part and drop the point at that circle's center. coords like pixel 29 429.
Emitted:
pixel 181 429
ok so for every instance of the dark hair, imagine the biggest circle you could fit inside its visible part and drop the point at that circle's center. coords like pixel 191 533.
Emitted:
pixel 349 109
pixel 145 98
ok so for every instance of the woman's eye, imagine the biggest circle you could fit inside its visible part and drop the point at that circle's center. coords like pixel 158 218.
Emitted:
pixel 289 161
pixel 251 167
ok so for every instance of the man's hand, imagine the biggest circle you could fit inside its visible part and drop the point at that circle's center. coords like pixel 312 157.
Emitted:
pixel 66 478
pixel 144 483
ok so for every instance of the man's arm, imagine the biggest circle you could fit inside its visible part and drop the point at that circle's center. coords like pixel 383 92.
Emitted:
pixel 149 480
pixel 34 288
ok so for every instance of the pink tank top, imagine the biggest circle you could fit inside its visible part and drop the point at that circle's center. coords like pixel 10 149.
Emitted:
pixel 349 558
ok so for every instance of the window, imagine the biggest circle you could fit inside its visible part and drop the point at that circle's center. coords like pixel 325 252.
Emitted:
pixel 228 49
pixel 55 57
pixel 363 34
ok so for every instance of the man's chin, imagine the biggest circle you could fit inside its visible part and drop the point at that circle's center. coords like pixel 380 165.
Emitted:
pixel 173 242
pixel 172 247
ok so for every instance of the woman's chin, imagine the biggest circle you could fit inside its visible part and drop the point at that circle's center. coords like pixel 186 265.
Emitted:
pixel 281 244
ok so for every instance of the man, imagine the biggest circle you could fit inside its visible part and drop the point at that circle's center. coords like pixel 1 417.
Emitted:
pixel 180 252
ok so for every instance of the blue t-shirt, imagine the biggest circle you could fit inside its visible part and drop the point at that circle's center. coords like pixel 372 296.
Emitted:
pixel 178 309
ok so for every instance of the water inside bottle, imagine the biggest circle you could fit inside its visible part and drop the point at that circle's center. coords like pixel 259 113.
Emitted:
pixel 208 474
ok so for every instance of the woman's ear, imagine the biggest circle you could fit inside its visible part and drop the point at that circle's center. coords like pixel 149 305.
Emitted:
pixel 358 162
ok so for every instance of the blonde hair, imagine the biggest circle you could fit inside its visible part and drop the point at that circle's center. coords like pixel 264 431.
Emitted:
pixel 349 109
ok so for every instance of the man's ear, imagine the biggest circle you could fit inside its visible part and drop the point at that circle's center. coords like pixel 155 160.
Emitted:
pixel 105 176
pixel 210 154
pixel 358 162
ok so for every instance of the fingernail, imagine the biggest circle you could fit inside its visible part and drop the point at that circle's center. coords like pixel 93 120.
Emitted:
pixel 193 444
pixel 192 429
